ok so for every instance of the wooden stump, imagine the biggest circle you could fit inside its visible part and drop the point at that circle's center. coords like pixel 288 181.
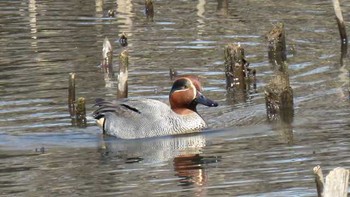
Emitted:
pixel 149 9
pixel 107 56
pixel 123 40
pixel 80 112
pixel 279 97
pixel 237 68
pixel 122 91
pixel 111 13
pixel 173 73
pixel 277 44
pixel 71 94
pixel 336 184
pixel 238 74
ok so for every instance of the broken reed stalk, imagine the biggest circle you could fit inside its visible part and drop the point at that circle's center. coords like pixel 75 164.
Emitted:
pixel 336 185
pixel 277 44
pixel 149 9
pixel 71 94
pixel 80 112
pixel 342 30
pixel 340 21
pixel 122 91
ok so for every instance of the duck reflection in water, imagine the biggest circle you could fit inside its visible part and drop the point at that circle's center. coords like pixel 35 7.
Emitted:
pixel 183 150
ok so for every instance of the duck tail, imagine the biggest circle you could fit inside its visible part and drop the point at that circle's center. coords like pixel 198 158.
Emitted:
pixel 100 117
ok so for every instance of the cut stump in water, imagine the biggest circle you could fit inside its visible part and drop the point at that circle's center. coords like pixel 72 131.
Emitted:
pixel 71 94
pixel 111 13
pixel 149 10
pixel 279 96
pixel 123 40
pixel 122 91
pixel 173 73
pixel 276 39
pixel 107 56
pixel 239 76
pixel 237 69
pixel 80 112
pixel 336 184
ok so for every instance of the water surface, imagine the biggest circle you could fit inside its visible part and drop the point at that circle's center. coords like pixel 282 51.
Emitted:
pixel 241 154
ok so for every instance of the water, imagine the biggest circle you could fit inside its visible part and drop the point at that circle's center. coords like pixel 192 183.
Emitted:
pixel 242 154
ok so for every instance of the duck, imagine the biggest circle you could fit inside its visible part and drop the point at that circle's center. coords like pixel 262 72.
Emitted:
pixel 133 118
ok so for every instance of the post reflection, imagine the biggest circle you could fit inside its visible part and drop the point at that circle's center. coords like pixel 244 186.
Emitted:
pixel 222 7
pixel 33 23
pixel 200 13
pixel 124 16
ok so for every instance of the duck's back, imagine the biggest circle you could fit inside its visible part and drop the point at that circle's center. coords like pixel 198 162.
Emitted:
pixel 141 118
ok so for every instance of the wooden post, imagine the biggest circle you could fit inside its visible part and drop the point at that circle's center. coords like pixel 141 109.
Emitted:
pixel 277 44
pixel 107 56
pixel 81 112
pixel 319 180
pixel 71 94
pixel 122 91
pixel 123 40
pixel 173 73
pixel 238 74
pixel 340 21
pixel 111 13
pixel 336 184
pixel 235 64
pixel 279 97
pixel 149 9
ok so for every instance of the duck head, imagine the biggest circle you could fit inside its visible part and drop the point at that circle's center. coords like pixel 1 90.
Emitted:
pixel 185 95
